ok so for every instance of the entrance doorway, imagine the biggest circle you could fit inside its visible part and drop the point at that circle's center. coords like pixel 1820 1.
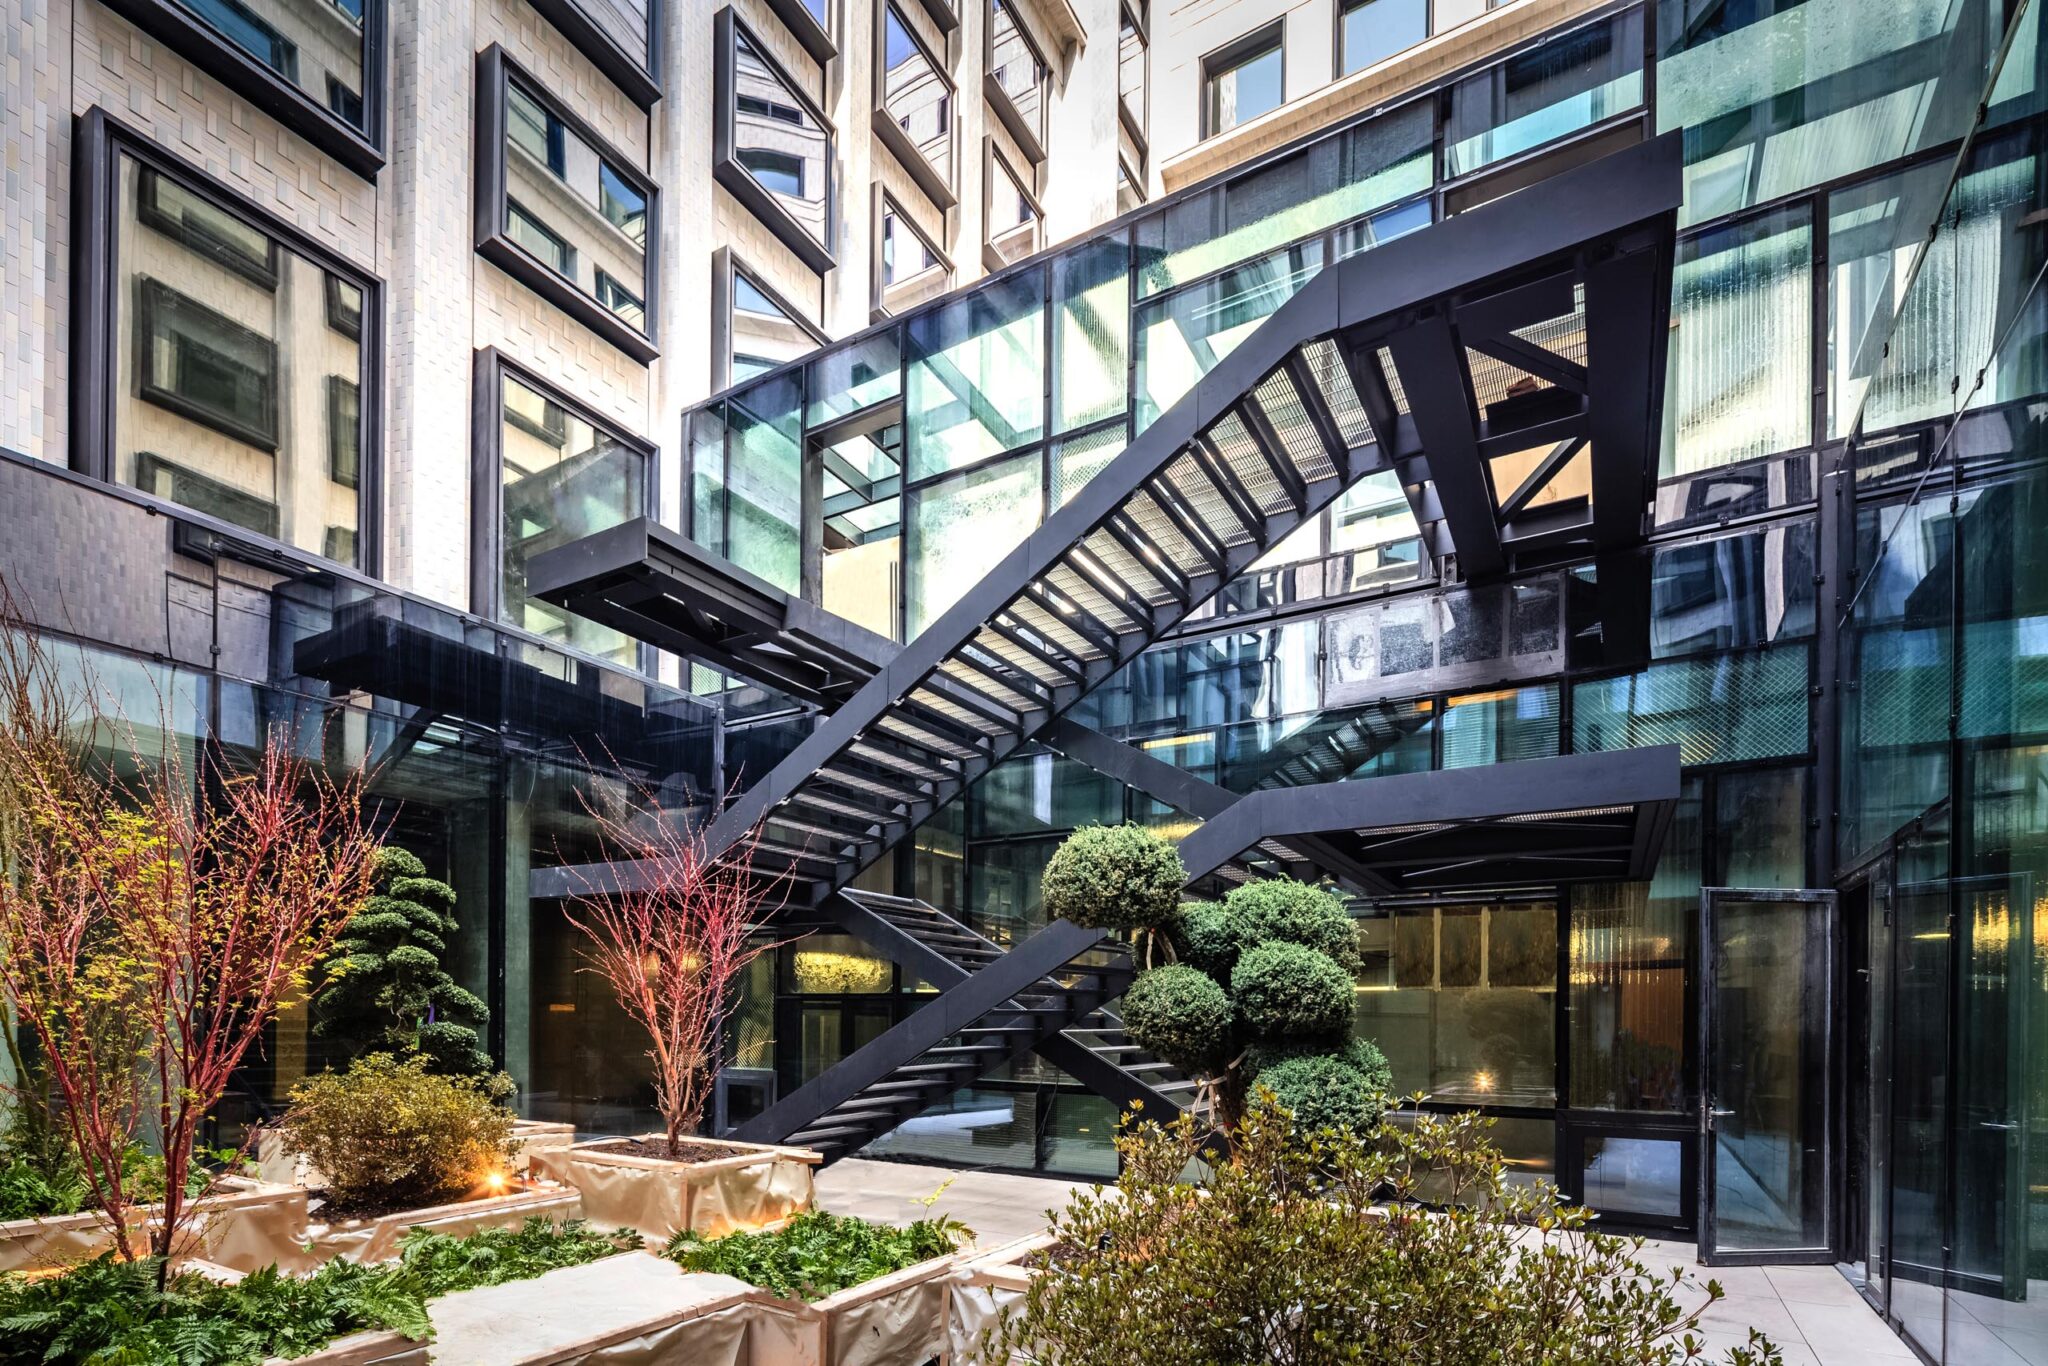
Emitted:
pixel 1766 1098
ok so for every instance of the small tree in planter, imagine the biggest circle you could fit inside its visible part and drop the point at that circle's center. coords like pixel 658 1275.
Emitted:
pixel 156 920
pixel 384 989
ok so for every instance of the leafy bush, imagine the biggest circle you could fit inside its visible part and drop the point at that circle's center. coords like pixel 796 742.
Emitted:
pixel 391 1134
pixel 1284 1259
pixel 1361 1054
pixel 1181 1015
pixel 1285 990
pixel 1114 877
pixel 1281 908
pixel 817 1254
pixel 1323 1091
pixel 437 1264
pixel 1207 936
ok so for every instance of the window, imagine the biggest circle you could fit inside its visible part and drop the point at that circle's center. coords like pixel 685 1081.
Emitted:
pixel 1374 30
pixel 909 267
pixel 1551 91
pixel 1017 78
pixel 227 373
pixel 1130 72
pixel 1013 217
pixel 560 474
pixel 306 63
pixel 758 328
pixel 1243 80
pixel 777 166
pixel 562 211
pixel 913 113
pixel 810 23
pixel 620 37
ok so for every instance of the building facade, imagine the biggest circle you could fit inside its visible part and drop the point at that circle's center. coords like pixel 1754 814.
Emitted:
pixel 325 317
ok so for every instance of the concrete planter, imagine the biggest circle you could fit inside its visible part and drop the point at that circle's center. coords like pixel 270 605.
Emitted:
pixel 984 1288
pixel 756 1187
pixel 244 1224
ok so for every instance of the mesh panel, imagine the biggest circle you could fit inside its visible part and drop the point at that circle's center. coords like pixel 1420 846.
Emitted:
pixel 1233 442
pixel 1492 379
pixel 1046 626
pixel 1326 363
pixel 1121 567
pixel 1393 378
pixel 1154 525
pixel 1186 476
pixel 1069 583
pixel 1281 403
pixel 1717 711
pixel 1005 694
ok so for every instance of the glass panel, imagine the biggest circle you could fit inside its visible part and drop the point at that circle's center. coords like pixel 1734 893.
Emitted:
pixel 959 527
pixel 1732 592
pixel 236 395
pixel 1375 30
pixel 1922 1088
pixel 1078 459
pixel 1767 1074
pixel 1247 87
pixel 1740 374
pixel 857 375
pixel 766 473
pixel 1364 168
pixel 705 430
pixel 1760 829
pixel 315 45
pixel 912 269
pixel 1718 710
pixel 1571 82
pixel 1091 327
pixel 572 210
pixel 1495 727
pixel 1003 887
pixel 915 94
pixel 1632 1174
pixel 1013 217
pixel 981 1126
pixel 563 479
pixel 1777 98
pixel 1461 999
pixel 1457 638
pixel 1040 792
pixel 1017 70
pixel 976 383
pixel 1181 338
pixel 764 334
pixel 779 141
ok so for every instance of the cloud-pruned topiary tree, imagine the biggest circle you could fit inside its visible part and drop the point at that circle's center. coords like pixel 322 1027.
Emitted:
pixel 1260 993
pixel 383 990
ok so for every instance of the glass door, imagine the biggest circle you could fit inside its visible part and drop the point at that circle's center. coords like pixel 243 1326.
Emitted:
pixel 1765 1099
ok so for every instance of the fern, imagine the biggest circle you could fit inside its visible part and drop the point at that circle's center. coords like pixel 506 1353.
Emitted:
pixel 817 1254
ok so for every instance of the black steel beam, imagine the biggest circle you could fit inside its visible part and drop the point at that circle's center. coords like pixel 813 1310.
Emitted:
pixel 1433 376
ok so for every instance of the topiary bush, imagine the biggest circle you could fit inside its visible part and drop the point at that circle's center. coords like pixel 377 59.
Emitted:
pixel 390 1134
pixel 1114 877
pixel 1361 1054
pixel 1322 1091
pixel 1284 990
pixel 1180 1014
pixel 1208 937
pixel 1280 908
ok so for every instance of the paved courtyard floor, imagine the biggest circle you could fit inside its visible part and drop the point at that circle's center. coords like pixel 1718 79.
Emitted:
pixel 1811 1312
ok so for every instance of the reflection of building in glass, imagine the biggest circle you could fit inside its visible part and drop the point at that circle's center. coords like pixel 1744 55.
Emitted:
pixel 780 142
pixel 572 210
pixel 316 45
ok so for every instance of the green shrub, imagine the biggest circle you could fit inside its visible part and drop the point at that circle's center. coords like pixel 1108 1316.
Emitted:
pixel 1207 936
pixel 392 1134
pixel 440 1265
pixel 1179 1014
pixel 1282 1258
pixel 1323 1091
pixel 817 1254
pixel 1285 991
pixel 1114 877
pixel 1360 1053
pixel 1281 908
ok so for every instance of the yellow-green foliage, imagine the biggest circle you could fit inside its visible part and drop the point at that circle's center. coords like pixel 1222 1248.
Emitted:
pixel 390 1133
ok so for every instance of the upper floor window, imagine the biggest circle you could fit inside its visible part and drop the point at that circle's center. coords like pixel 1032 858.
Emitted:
pixel 810 23
pixel 1243 80
pixel 1374 30
pixel 1015 219
pixel 563 211
pixel 909 266
pixel 314 65
pixel 622 39
pixel 773 145
pixel 1131 43
pixel 1543 93
pixel 756 327
pixel 1017 78
pixel 913 114
pixel 229 372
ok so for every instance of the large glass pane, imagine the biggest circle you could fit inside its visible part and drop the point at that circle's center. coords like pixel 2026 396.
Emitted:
pixel 1499 726
pixel 1041 792
pixel 563 479
pixel 764 334
pixel 572 210
pixel 857 375
pixel 1374 30
pixel 976 377
pixel 779 141
pixel 1760 829
pixel 1568 83
pixel 315 45
pixel 1777 98
pixel 1003 887
pixel 1733 591
pixel 1183 337
pixel 1718 710
pixel 1091 325
pixel 1462 1000
pixel 915 94
pixel 1243 86
pixel 240 370
pixel 1367 167
pixel 704 429
pixel 958 528
pixel 1740 377
pixel 765 473
pixel 1463 637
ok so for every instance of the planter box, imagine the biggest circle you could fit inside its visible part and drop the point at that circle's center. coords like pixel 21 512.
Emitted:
pixel 245 1224
pixel 983 1289
pixel 363 1349
pixel 285 1167
pixel 376 1240
pixel 755 1188
pixel 891 1320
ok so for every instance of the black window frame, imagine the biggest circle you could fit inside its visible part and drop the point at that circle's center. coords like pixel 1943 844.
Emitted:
pixel 338 316
pixel 488 372
pixel 360 149
pixel 1028 140
pixel 883 199
pixel 99 141
pixel 941 190
pixel 344 467
pixel 1027 185
pixel 640 83
pixel 153 299
pixel 726 169
pixel 726 264
pixel 1239 51
pixel 495 70
pixel 814 36
pixel 150 213
pixel 1338 56
pixel 1136 123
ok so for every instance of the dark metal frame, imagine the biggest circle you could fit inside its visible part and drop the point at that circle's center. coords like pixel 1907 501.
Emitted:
pixel 99 142
pixel 815 38
pixel 738 181
pixel 943 191
pixel 942 13
pixel 640 82
pixel 361 150
pixel 725 264
pixel 877 309
pixel 1234 53
pixel 1029 142
pixel 1137 127
pixel 494 69
pixel 991 157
